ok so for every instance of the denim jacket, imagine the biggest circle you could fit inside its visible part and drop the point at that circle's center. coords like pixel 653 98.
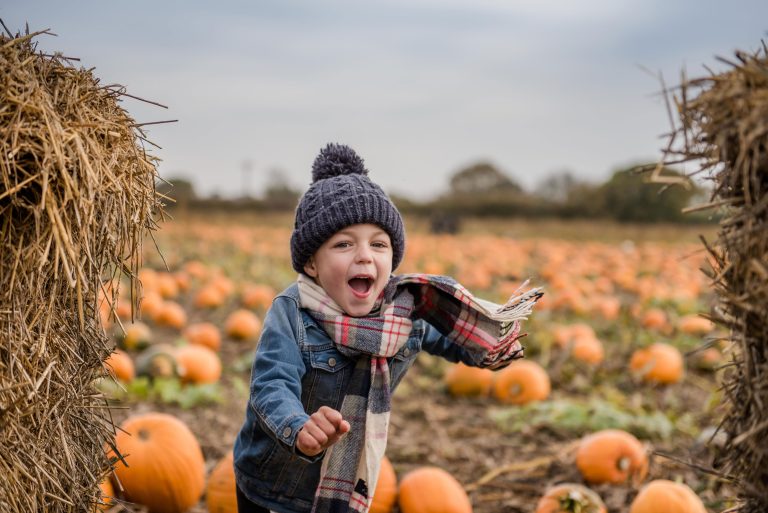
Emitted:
pixel 297 370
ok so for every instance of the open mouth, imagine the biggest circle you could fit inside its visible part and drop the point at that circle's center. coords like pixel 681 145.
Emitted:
pixel 361 285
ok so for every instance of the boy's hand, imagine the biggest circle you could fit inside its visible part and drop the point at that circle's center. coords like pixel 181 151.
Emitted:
pixel 323 429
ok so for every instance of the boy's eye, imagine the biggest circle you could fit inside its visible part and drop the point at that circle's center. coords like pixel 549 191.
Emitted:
pixel 342 244
pixel 379 244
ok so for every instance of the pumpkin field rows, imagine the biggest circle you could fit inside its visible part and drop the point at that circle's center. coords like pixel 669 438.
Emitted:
pixel 617 392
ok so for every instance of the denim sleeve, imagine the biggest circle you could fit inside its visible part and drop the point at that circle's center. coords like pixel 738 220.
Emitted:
pixel 276 375
pixel 438 344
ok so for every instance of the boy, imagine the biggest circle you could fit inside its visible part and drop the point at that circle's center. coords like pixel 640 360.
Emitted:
pixel 339 340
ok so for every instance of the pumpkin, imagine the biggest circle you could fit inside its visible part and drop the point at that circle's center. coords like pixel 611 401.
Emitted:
pixel 107 494
pixel 120 365
pixel 385 495
pixel 521 382
pixel 136 336
pixel 196 269
pixel 432 490
pixel 150 304
pixel 158 361
pixel 565 335
pixel 463 380
pixel 243 325
pixel 123 309
pixel 588 350
pixel 204 334
pixel 654 319
pixel 709 358
pixel 570 498
pixel 201 365
pixel 148 279
pixel 209 297
pixel 607 307
pixel 662 496
pixel 659 362
pixel 695 325
pixel 167 285
pixel 257 296
pixel 220 494
pixel 611 456
pixel 166 469
pixel 172 314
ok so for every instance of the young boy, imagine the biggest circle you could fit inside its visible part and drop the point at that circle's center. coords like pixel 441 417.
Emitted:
pixel 337 342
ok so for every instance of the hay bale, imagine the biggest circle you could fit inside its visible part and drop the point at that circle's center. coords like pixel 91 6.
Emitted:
pixel 76 197
pixel 723 130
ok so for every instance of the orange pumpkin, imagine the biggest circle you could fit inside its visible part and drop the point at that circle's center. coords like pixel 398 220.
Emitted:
pixel 521 382
pixel 662 496
pixel 120 365
pixel 695 325
pixel 196 269
pixel 172 314
pixel 243 325
pixel 209 297
pixel 166 469
pixel 570 498
pixel 611 456
pixel 432 490
pixel 150 304
pixel 565 335
pixel 257 296
pixel 200 364
pixel 167 285
pixel 107 494
pixel 220 495
pixel 588 350
pixel 654 319
pixel 463 380
pixel 659 362
pixel 204 334
pixel 385 496
pixel 137 336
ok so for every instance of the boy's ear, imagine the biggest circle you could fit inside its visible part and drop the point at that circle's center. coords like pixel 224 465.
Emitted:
pixel 310 268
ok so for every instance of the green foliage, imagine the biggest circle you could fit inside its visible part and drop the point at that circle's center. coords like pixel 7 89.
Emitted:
pixel 577 418
pixel 482 178
pixel 162 390
pixel 628 196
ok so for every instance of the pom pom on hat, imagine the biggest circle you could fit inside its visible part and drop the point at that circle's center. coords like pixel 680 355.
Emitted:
pixel 337 160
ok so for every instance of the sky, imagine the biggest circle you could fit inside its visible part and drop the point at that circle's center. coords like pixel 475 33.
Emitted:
pixel 419 88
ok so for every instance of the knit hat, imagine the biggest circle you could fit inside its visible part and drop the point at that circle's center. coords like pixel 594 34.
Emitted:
pixel 341 195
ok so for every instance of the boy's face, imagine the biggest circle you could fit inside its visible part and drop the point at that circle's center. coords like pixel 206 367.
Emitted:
pixel 353 266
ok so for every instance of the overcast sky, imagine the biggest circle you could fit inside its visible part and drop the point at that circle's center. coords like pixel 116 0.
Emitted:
pixel 419 88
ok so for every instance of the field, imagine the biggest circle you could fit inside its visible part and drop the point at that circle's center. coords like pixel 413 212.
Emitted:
pixel 627 287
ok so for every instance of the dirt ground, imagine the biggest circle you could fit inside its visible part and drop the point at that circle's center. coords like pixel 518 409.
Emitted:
pixel 502 472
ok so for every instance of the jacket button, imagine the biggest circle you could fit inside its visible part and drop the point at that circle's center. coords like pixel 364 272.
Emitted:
pixel 406 351
pixel 332 361
pixel 286 432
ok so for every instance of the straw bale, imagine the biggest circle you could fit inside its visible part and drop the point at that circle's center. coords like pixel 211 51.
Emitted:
pixel 723 133
pixel 77 195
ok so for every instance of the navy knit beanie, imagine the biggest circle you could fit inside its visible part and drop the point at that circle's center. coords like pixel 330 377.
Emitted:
pixel 341 195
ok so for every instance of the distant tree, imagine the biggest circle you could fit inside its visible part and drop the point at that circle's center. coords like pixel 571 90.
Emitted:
pixel 628 196
pixel 279 194
pixel 482 178
pixel 557 187
pixel 180 190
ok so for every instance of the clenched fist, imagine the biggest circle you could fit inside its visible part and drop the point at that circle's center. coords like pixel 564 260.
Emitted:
pixel 323 429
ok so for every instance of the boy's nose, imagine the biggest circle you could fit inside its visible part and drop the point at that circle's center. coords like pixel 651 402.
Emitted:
pixel 364 254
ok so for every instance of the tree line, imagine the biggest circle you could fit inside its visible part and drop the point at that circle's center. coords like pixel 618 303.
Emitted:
pixel 484 190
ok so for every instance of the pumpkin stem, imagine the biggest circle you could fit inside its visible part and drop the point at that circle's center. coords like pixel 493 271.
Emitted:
pixel 143 434
pixel 624 463
pixel 515 389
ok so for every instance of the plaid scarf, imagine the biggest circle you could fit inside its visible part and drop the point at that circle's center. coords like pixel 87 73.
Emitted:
pixel 490 332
